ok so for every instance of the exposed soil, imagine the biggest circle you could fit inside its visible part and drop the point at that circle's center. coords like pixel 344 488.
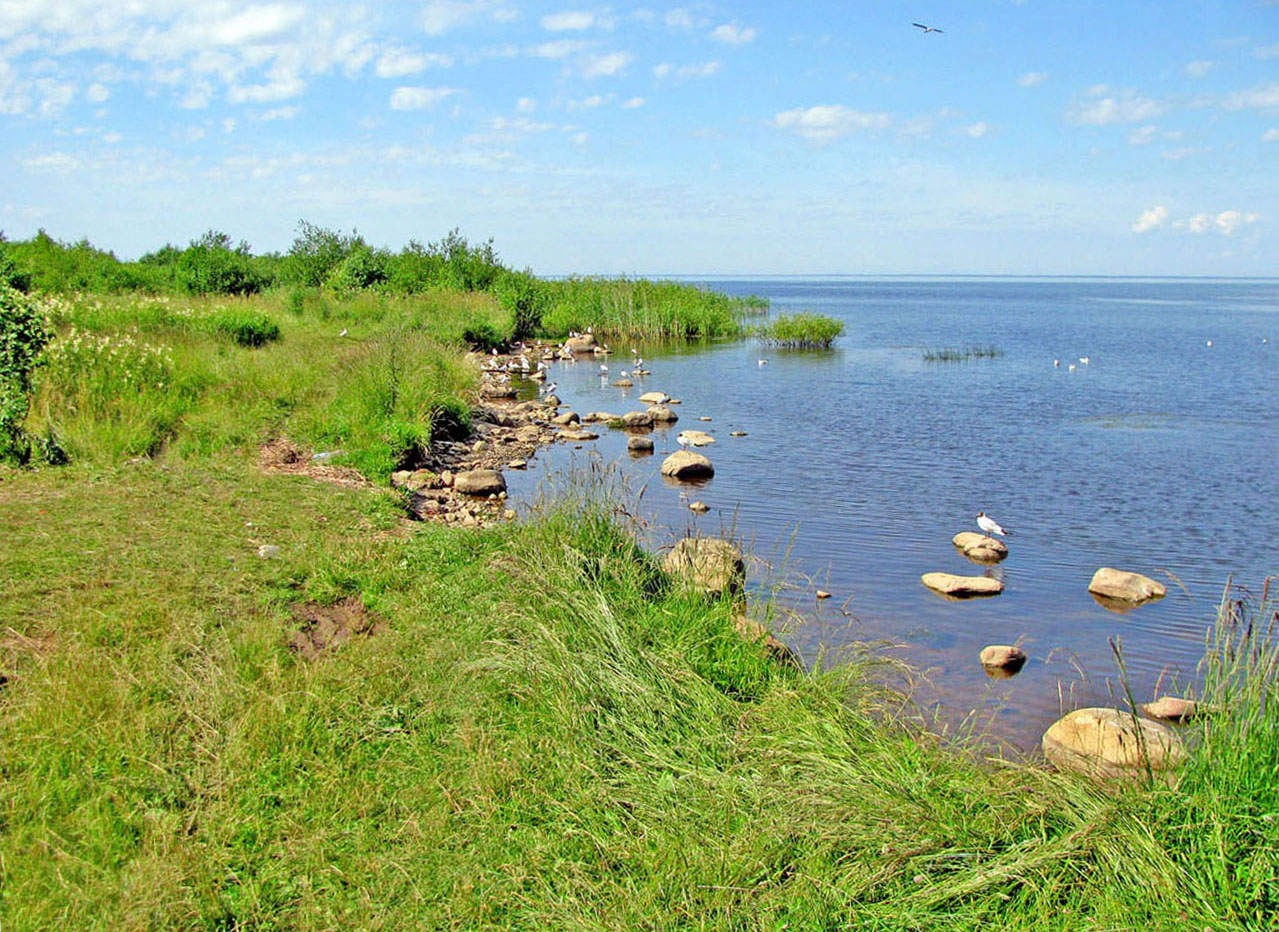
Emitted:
pixel 324 627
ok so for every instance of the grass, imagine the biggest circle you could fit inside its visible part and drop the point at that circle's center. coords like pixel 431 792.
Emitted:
pixel 799 331
pixel 599 753
pixel 961 353
pixel 644 310
pixel 545 733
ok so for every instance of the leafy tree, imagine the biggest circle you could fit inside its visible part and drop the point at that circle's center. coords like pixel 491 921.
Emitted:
pixel 315 253
pixel 22 336
pixel 212 265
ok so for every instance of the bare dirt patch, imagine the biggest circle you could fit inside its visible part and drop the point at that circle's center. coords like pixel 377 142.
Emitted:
pixel 284 456
pixel 324 627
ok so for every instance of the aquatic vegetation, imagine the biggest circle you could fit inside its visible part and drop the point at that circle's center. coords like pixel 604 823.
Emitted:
pixel 961 353
pixel 799 331
pixel 643 310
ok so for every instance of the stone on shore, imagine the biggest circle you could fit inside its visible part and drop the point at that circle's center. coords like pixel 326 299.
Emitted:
pixel 663 414
pixel 961 587
pixel 579 435
pixel 568 417
pixel 1172 709
pixel 640 444
pixel 980 548
pixel 685 464
pixel 756 633
pixel 655 398
pixel 1105 743
pixel 1125 587
pixel 482 482
pixel 592 416
pixel 708 563
pixel 1002 659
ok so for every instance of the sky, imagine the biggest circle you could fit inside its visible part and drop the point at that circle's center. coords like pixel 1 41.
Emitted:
pixel 1032 137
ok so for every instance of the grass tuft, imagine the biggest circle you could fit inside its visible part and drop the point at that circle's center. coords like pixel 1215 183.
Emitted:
pixel 799 331
pixel 961 353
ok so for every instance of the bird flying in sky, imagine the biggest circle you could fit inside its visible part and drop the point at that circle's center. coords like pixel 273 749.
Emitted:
pixel 927 29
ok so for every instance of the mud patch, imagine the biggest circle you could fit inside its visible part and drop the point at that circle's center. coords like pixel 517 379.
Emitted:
pixel 284 456
pixel 324 627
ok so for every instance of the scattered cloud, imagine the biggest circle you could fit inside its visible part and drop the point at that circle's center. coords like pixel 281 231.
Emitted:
pixel 525 105
pixel 1270 135
pixel 97 93
pixel 1227 223
pixel 54 161
pixel 679 18
pixel 568 21
pixel 399 62
pixel 279 113
pixel 1264 96
pixel 826 122
pixel 1266 52
pixel 1199 69
pixel 733 34
pixel 589 103
pixel 607 65
pixel 700 70
pixel 1032 78
pixel 560 48
pixel 418 98
pixel 1144 135
pixel 1104 108
pixel 635 103
pixel 976 130
pixel 440 16
pixel 1150 219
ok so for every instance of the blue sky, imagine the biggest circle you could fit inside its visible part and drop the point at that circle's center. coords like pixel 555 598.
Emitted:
pixel 1028 137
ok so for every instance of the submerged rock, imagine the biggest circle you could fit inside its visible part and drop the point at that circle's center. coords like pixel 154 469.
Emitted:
pixel 685 464
pixel 1106 743
pixel 655 398
pixel 708 563
pixel 700 507
pixel 579 435
pixel 979 548
pixel 696 438
pixel 634 419
pixel 640 444
pixel 568 417
pixel 961 587
pixel 623 383
pixel 1124 586
pixel 1002 659
pixel 663 414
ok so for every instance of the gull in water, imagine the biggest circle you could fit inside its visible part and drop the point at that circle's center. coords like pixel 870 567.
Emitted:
pixel 927 29
pixel 1056 363
pixel 1210 342
pixel 603 369
pixel 1071 367
pixel 1084 359
pixel 761 362
pixel 989 525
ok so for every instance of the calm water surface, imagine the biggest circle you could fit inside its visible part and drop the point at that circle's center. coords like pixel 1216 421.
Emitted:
pixel 860 464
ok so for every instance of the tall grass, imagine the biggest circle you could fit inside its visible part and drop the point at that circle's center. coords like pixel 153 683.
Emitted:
pixel 644 310
pixel 799 331
pixel 961 353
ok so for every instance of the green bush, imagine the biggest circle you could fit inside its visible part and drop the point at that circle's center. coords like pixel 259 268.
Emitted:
pixel 362 268
pixel 315 253
pixel 10 275
pixel 484 337
pixel 23 336
pixel 244 327
pixel 210 265
pixel 526 298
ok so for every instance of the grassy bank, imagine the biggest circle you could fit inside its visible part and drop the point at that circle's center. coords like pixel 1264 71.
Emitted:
pixel 540 734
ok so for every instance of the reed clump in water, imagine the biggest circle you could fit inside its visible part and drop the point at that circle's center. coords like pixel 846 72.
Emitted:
pixel 961 353
pixel 643 310
pixel 799 331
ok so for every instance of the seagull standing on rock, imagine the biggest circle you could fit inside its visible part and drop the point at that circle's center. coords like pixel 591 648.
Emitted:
pixel 989 525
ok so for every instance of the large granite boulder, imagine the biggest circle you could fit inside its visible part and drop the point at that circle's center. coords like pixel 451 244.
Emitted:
pixel 685 464
pixel 1109 744
pixel 582 343
pixel 640 444
pixel 712 565
pixel 637 419
pixel 961 587
pixel 1125 587
pixel 655 398
pixel 1002 660
pixel 663 414
pixel 482 482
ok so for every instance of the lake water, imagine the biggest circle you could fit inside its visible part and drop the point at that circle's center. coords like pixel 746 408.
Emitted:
pixel 1161 456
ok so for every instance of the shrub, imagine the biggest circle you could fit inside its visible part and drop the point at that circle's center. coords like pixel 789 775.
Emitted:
pixel 484 337
pixel 315 253
pixel 526 298
pixel 23 336
pixel 800 331
pixel 211 266
pixel 10 275
pixel 244 327
pixel 362 268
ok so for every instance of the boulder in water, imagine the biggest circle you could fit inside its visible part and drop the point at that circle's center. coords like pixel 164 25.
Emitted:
pixel 685 464
pixel 961 587
pixel 1124 586
pixel 1105 743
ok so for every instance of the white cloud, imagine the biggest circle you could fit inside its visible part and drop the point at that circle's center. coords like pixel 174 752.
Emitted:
pixel 279 86
pixel 1033 78
pixel 54 161
pixel 1266 52
pixel 439 16
pixel 587 103
pixel 568 21
pixel 1227 223
pixel 1105 109
pixel 560 48
pixel 635 103
pixel 1150 219
pixel 607 65
pixel 825 122
pixel 98 93
pixel 1199 69
pixel 111 138
pixel 398 62
pixel 680 19
pixel 732 34
pixel 279 113
pixel 1143 136
pixel 698 70
pixel 976 130
pixel 525 105
pixel 1270 135
pixel 418 98
pixel 1261 97
pixel 1185 152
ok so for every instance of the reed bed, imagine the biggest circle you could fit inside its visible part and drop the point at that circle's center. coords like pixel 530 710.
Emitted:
pixel 799 331
pixel 961 353
pixel 640 309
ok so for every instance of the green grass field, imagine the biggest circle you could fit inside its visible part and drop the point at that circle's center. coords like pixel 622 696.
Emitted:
pixel 538 732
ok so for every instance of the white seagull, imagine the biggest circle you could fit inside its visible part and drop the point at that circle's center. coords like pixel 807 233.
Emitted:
pixel 343 333
pixel 927 29
pixel 1056 363
pixel 989 525
pixel 761 362
pixel 1085 359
